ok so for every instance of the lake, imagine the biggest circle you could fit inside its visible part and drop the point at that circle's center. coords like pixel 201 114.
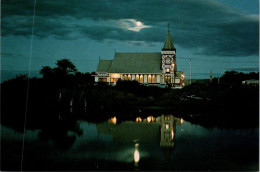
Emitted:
pixel 155 143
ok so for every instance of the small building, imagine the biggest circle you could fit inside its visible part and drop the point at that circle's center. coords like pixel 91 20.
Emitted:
pixel 154 68
pixel 251 82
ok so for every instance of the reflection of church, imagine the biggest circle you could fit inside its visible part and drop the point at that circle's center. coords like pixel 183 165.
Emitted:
pixel 146 68
pixel 160 130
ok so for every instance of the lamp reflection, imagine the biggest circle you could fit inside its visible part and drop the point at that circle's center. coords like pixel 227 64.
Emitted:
pixel 136 154
pixel 138 119
pixel 113 120
pixel 150 119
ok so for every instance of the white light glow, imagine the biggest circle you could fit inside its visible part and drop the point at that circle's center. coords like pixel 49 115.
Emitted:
pixel 132 24
pixel 139 23
pixel 136 154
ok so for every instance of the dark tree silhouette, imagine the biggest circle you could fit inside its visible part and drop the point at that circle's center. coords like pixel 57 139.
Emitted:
pixel 46 71
pixel 65 66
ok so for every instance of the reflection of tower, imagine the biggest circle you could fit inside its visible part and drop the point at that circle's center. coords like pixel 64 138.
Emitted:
pixel 167 135
pixel 167 131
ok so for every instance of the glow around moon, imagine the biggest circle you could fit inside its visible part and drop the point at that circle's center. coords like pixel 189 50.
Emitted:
pixel 132 24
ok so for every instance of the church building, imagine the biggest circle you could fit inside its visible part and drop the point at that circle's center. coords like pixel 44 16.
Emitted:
pixel 155 68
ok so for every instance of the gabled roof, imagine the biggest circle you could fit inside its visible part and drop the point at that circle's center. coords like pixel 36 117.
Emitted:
pixel 168 44
pixel 104 65
pixel 136 63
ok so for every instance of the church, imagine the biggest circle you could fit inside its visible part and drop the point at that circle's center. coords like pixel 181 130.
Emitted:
pixel 155 68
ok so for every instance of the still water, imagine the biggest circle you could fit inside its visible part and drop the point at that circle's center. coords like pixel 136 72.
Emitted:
pixel 162 143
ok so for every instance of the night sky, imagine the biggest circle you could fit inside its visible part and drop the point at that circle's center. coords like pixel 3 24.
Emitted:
pixel 217 35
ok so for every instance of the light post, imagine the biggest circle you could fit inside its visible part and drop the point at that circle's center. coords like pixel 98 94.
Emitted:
pixel 190 71
pixel 172 74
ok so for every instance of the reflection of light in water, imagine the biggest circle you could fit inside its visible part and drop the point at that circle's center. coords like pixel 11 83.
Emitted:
pixel 136 154
pixel 150 119
pixel 172 134
pixel 113 120
pixel 181 120
pixel 138 119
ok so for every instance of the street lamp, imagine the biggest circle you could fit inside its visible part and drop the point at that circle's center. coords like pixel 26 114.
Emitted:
pixel 172 73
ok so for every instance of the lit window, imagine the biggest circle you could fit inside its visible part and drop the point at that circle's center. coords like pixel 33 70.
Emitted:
pixel 149 78
pixel 137 78
pixel 125 77
pixel 129 77
pixel 141 79
pixel 166 126
pixel 167 70
pixel 167 78
pixel 154 79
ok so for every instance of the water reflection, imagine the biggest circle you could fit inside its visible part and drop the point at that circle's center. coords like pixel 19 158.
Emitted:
pixel 160 130
pixel 136 154
pixel 137 144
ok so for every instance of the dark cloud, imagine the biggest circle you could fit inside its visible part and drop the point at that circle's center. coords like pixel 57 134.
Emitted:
pixel 206 27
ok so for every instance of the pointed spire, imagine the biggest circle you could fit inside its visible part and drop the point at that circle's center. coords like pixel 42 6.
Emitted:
pixel 168 44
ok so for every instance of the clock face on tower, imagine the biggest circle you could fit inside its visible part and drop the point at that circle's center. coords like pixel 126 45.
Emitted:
pixel 167 61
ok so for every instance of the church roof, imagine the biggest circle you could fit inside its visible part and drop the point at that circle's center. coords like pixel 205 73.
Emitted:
pixel 136 63
pixel 104 65
pixel 168 44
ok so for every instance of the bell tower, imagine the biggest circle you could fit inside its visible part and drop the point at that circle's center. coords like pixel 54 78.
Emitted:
pixel 168 63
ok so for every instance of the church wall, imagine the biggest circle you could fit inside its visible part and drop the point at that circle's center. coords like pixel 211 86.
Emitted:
pixel 158 78
pixel 145 78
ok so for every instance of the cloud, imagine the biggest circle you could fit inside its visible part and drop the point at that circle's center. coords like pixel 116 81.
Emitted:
pixel 204 27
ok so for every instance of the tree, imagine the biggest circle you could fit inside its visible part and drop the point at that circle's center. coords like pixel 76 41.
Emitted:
pixel 66 67
pixel 22 77
pixel 46 71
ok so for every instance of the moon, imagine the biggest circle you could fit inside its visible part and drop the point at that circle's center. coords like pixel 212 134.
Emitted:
pixel 138 23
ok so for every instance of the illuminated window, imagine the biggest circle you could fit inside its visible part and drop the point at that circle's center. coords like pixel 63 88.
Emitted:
pixel 166 118
pixel 129 77
pixel 137 78
pixel 112 80
pixel 153 79
pixel 149 78
pixel 125 77
pixel 167 70
pixel 167 126
pixel 167 78
pixel 141 79
pixel 168 60
pixel 102 79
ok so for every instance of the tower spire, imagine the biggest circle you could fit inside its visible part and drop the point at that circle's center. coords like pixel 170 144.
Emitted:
pixel 168 44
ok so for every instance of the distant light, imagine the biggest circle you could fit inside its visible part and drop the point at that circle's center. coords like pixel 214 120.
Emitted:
pixel 138 23
pixel 181 120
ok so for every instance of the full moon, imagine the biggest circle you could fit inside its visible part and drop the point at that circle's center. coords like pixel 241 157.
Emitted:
pixel 138 23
